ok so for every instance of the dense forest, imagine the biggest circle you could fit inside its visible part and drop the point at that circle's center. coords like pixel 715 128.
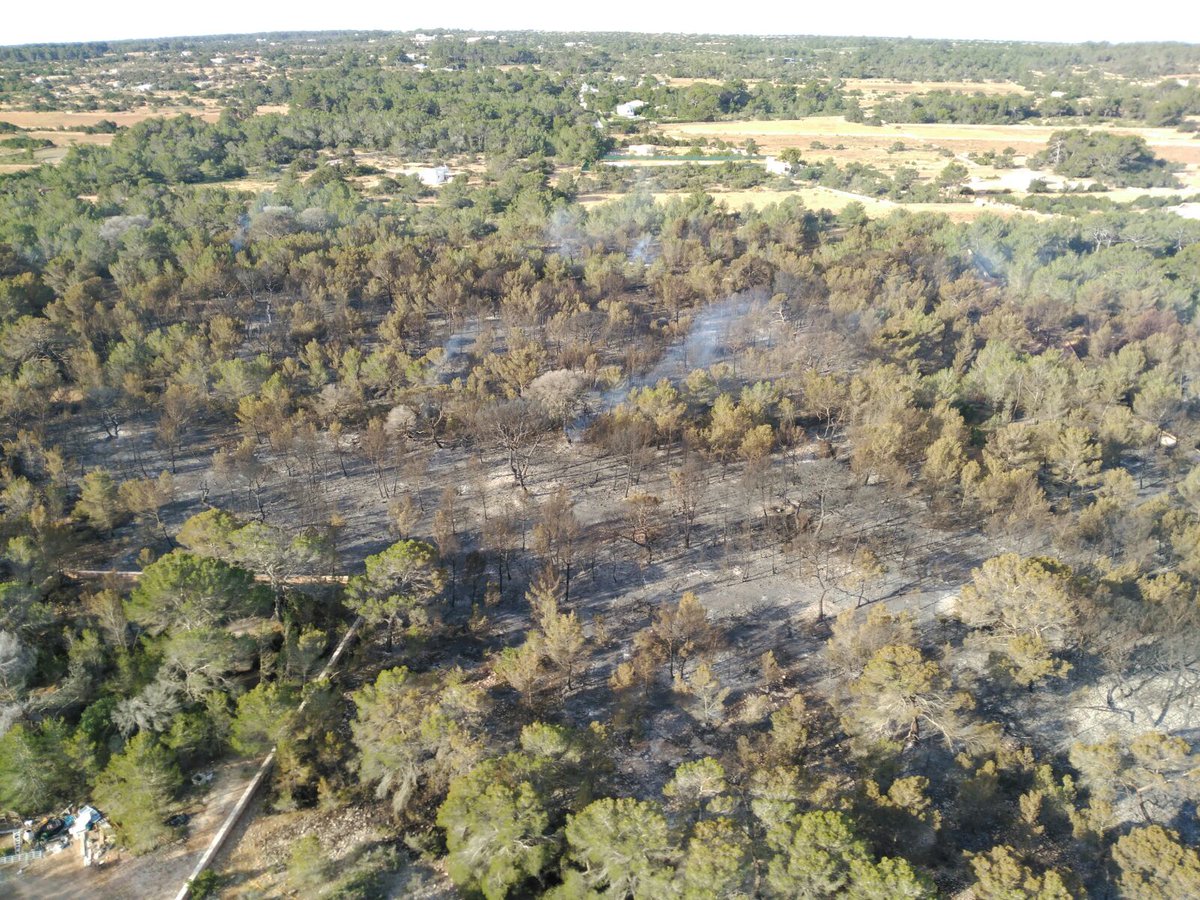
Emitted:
pixel 688 551
pixel 683 78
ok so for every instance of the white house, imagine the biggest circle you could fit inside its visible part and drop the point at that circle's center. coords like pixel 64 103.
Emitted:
pixel 629 109
pixel 776 166
pixel 434 176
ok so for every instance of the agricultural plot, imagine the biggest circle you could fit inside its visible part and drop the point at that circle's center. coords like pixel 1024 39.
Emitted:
pixel 71 120
pixel 774 136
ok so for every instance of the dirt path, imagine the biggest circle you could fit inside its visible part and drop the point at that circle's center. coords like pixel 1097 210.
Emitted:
pixel 64 877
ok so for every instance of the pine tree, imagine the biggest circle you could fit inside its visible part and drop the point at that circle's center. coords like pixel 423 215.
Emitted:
pixel 1001 875
pixel 899 693
pixel 715 865
pixel 136 790
pixel 564 645
pixel 496 833
pixel 706 695
pixel 679 632
pixel 1025 611
pixel 1075 459
pixel 398 582
pixel 99 502
pixel 1155 866
pixel 621 847
pixel 521 668
pixel 39 767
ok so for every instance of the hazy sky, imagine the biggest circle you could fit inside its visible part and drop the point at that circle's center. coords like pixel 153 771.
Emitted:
pixel 73 20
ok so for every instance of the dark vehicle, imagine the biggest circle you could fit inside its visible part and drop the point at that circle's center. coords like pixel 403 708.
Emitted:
pixel 49 828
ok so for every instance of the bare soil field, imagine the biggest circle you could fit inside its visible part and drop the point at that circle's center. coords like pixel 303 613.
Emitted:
pixel 124 877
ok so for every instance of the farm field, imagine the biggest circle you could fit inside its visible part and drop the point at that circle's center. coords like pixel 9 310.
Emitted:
pixel 774 136
pixel 68 120
pixel 928 148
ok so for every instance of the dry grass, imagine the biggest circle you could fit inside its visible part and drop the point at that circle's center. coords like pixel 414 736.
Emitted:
pixel 56 119
pixel 685 82
pixel 637 163
pixel 68 138
pixel 672 81
pixel 878 87
pixel 873 88
pixel 251 185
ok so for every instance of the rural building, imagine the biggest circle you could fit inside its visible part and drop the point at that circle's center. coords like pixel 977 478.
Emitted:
pixel 434 176
pixel 629 109
pixel 776 166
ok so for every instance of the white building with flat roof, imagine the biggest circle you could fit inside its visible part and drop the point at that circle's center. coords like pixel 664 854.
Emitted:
pixel 434 176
